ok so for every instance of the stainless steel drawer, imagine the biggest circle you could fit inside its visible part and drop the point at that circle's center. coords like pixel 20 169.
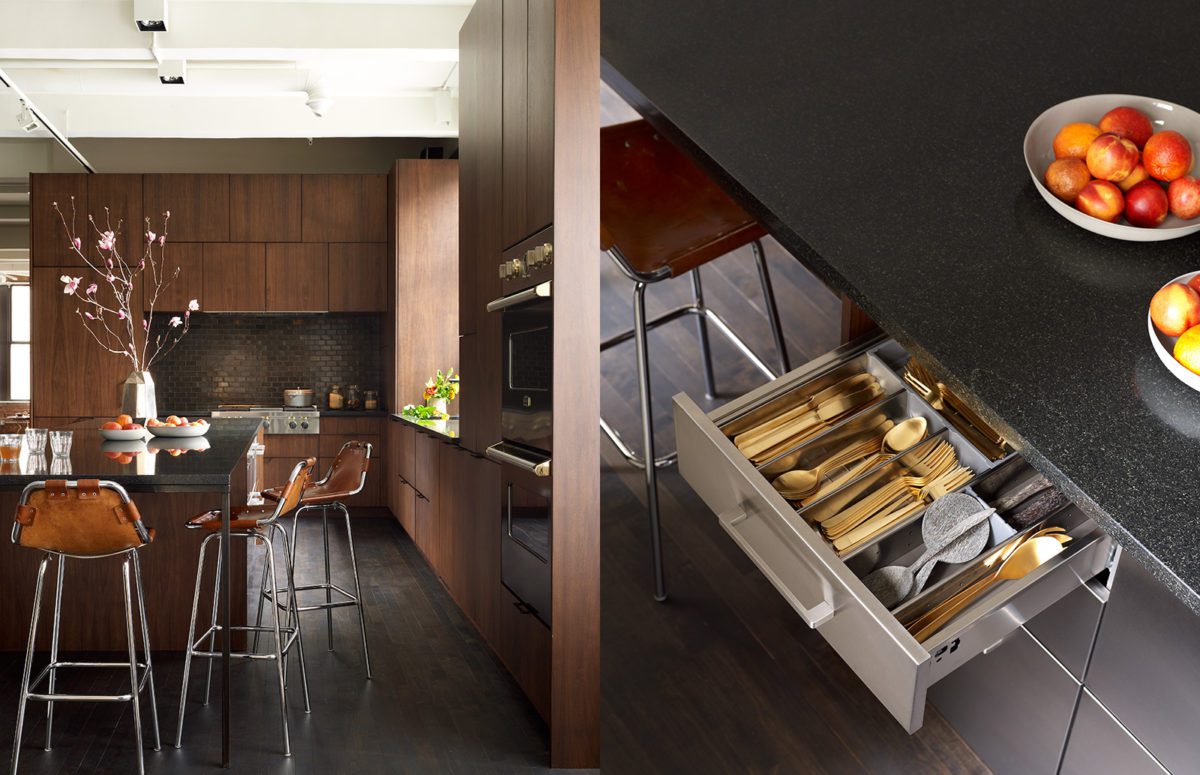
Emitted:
pixel 825 591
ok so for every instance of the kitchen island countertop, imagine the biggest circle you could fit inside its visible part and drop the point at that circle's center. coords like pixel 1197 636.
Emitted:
pixel 882 145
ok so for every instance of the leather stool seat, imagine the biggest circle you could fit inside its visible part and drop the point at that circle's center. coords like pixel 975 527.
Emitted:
pixel 245 518
pixel 343 479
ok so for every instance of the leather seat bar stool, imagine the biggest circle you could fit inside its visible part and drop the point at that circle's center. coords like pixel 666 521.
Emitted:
pixel 84 519
pixel 346 477
pixel 662 217
pixel 260 524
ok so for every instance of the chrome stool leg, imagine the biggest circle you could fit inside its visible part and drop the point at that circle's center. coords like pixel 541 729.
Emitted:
pixel 62 563
pixel 287 743
pixel 294 614
pixel 710 384
pixel 262 596
pixel 212 638
pixel 328 579
pixel 643 363
pixel 133 666
pixel 37 607
pixel 362 616
pixel 187 659
pixel 137 575
pixel 764 279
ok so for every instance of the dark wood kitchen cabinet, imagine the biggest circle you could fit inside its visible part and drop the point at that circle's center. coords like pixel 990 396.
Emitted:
pixel 335 433
pixel 358 277
pixel 188 258
pixel 297 277
pixel 264 208
pixel 199 205
pixel 48 242
pixel 528 72
pixel 344 208
pixel 234 277
pixel 122 195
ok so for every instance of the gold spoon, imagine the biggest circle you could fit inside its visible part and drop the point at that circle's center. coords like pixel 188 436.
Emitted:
pixel 802 481
pixel 903 435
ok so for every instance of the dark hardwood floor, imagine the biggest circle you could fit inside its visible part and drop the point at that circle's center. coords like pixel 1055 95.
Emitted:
pixel 440 701
pixel 724 677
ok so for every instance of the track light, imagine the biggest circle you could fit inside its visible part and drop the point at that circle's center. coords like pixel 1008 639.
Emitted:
pixel 319 101
pixel 150 15
pixel 172 71
pixel 26 120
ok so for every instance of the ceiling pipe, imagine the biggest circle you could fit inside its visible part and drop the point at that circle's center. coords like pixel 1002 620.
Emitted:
pixel 53 130
pixel 13 200
pixel 145 64
pixel 14 221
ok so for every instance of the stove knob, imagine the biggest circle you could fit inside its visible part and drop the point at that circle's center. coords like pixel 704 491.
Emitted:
pixel 292 424
pixel 266 424
pixel 304 424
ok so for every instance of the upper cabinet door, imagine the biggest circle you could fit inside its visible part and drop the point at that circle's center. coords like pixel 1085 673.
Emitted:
pixel 358 277
pixel 234 277
pixel 264 208
pixel 344 208
pixel 115 202
pixel 199 205
pixel 182 267
pixel 48 241
pixel 528 118
pixel 297 277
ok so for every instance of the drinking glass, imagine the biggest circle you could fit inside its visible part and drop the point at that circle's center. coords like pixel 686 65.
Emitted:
pixel 59 466
pixel 10 447
pixel 35 441
pixel 60 443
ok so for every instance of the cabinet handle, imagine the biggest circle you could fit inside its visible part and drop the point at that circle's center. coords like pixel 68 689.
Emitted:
pixel 529 294
pixel 497 453
pixel 524 607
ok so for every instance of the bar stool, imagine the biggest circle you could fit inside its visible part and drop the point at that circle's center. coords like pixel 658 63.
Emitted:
pixel 85 519
pixel 662 217
pixel 259 523
pixel 345 477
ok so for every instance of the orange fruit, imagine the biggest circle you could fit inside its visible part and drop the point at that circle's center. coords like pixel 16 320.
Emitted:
pixel 124 419
pixel 1066 178
pixel 172 420
pixel 111 426
pixel 1187 349
pixel 1073 140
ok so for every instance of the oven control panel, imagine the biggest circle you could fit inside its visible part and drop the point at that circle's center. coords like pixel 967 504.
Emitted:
pixel 532 260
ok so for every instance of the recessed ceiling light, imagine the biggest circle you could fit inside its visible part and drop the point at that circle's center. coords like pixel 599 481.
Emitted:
pixel 150 15
pixel 172 71
pixel 319 100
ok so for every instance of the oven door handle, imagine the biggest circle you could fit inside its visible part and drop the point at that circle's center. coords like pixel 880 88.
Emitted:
pixel 497 453
pixel 541 291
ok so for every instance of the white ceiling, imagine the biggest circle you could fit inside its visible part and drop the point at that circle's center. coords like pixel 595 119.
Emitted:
pixel 86 66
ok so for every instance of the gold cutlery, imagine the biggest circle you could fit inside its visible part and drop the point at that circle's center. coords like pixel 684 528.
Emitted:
pixel 868 530
pixel 902 436
pixel 1025 559
pixel 772 409
pixel 800 482
pixel 810 404
pixel 874 424
pixel 961 416
pixel 782 438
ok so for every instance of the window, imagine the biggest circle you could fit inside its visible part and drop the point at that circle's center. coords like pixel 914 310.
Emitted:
pixel 15 325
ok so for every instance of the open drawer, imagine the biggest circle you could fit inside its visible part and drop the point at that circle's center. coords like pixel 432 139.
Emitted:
pixel 828 592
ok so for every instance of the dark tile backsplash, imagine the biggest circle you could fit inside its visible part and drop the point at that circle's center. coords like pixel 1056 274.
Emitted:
pixel 252 359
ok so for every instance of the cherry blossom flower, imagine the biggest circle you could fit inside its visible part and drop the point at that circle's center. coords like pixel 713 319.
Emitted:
pixel 89 316
pixel 162 240
pixel 175 322
pixel 70 284
pixel 120 314
pixel 111 277
pixel 194 305
pixel 107 241
pixel 145 324
pixel 92 289
pixel 77 243
pixel 150 236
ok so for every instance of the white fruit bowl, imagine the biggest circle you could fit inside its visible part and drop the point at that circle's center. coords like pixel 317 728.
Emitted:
pixel 121 435
pixel 1164 345
pixel 1039 152
pixel 179 432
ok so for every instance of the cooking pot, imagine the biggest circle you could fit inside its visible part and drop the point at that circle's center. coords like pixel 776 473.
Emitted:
pixel 298 397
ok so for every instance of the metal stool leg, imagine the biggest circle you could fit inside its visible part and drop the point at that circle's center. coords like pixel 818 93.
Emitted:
pixel 212 638
pixel 62 562
pixel 294 613
pixel 37 606
pixel 764 278
pixel 191 643
pixel 137 576
pixel 133 666
pixel 358 597
pixel 328 591
pixel 710 384
pixel 287 743
pixel 262 596
pixel 643 361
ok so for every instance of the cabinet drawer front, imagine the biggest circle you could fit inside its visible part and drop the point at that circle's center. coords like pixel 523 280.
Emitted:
pixel 823 589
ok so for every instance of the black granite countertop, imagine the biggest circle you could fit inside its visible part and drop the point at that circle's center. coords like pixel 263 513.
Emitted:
pixel 446 429
pixel 202 463
pixel 881 144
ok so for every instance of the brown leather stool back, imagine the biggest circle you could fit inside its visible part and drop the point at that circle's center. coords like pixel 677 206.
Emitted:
pixel 666 216
pixel 346 476
pixel 293 491
pixel 84 518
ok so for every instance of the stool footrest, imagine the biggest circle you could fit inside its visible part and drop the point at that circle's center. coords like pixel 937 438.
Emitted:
pixel 350 600
pixel 63 665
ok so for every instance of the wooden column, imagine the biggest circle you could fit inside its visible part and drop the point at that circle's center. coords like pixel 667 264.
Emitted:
pixel 855 322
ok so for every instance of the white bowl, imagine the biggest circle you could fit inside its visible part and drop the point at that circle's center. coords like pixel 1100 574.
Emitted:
pixel 1164 345
pixel 197 444
pixel 134 435
pixel 1039 152
pixel 135 446
pixel 184 432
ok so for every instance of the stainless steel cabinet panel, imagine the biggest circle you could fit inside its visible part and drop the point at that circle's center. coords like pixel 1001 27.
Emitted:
pixel 1146 667
pixel 1101 745
pixel 1012 705
pixel 1068 628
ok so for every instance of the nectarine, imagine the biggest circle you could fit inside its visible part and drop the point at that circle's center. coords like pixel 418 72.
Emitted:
pixel 1101 199
pixel 1132 179
pixel 1184 196
pixel 1146 204
pixel 1175 309
pixel 111 426
pixel 1111 158
pixel 1168 155
pixel 1129 123
pixel 124 419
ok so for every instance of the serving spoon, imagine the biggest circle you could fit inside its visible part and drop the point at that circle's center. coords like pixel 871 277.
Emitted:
pixel 903 435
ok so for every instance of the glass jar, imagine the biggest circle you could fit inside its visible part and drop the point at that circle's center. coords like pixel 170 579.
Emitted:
pixel 353 398
pixel 335 398
pixel 370 400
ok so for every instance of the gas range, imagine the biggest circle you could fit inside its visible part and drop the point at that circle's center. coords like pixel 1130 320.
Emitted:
pixel 276 419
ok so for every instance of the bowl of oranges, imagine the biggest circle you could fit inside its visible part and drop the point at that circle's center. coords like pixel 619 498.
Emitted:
pixel 177 427
pixel 1119 165
pixel 1174 323
pixel 123 428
